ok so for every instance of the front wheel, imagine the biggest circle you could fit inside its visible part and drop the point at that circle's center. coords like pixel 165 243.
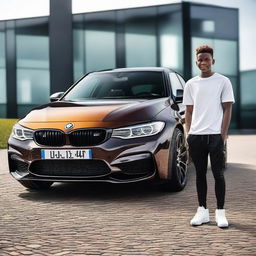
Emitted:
pixel 178 163
pixel 36 185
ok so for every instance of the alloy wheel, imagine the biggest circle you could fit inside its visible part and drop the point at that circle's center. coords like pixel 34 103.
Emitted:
pixel 182 158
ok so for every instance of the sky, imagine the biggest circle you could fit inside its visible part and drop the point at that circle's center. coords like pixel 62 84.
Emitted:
pixel 12 9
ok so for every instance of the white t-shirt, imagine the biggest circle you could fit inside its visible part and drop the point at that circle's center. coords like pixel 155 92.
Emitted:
pixel 206 96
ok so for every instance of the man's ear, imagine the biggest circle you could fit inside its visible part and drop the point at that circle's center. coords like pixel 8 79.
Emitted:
pixel 213 61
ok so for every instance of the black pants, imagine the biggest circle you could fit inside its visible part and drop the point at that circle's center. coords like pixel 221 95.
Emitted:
pixel 200 146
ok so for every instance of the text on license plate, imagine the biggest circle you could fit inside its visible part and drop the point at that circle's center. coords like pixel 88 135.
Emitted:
pixel 66 154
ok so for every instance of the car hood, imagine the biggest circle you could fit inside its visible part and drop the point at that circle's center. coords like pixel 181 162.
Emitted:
pixel 94 112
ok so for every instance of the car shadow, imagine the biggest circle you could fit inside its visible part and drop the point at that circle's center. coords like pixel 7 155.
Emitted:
pixel 94 191
pixel 102 191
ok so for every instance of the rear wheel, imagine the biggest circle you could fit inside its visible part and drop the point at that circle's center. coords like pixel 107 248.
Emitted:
pixel 178 162
pixel 36 185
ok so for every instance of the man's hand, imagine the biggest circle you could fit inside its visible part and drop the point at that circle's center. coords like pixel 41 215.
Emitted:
pixel 188 117
pixel 224 137
pixel 227 110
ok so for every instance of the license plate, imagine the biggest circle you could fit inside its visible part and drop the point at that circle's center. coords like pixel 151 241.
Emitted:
pixel 59 154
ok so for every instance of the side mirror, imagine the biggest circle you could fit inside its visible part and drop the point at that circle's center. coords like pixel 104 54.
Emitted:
pixel 173 105
pixel 56 96
pixel 179 96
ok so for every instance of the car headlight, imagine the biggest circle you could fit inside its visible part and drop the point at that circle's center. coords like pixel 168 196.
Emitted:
pixel 21 133
pixel 137 131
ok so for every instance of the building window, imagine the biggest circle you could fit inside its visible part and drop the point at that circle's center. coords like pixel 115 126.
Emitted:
pixel 2 72
pixel 33 76
pixel 140 37
pixel 170 37
pixel 94 42
pixel 248 104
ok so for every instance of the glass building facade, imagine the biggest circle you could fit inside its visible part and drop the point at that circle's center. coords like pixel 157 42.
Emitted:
pixel 165 35
pixel 150 36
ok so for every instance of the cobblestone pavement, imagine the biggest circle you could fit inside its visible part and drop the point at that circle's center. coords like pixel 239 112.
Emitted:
pixel 106 219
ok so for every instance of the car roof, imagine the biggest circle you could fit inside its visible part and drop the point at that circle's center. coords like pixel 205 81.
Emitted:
pixel 157 69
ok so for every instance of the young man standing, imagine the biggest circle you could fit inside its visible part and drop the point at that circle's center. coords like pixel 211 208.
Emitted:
pixel 208 99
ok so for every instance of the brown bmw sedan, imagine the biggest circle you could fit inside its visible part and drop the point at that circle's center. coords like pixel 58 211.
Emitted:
pixel 120 126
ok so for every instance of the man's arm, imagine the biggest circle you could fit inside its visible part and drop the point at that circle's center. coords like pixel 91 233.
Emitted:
pixel 227 111
pixel 188 117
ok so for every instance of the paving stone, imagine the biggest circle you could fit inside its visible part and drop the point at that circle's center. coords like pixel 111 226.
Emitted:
pixel 82 219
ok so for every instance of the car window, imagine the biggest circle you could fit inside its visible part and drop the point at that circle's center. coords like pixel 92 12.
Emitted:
pixel 125 85
pixel 182 81
pixel 175 83
pixel 140 88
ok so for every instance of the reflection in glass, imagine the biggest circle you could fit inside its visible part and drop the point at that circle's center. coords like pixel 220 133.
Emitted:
pixel 2 76
pixel 215 22
pixel 32 51
pixel 169 57
pixel 208 26
pixel 33 76
pixel 99 43
pixel 140 37
pixel 226 53
pixel 170 37
pixel 32 86
pixel 2 49
pixel 140 44
pixel 94 41
pixel 248 96
pixel 78 42
pixel 2 86
pixel 248 102
pixel 100 50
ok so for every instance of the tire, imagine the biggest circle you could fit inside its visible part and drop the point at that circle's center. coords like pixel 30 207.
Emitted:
pixel 178 163
pixel 36 185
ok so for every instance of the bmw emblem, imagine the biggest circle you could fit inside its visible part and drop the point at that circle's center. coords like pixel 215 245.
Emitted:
pixel 69 126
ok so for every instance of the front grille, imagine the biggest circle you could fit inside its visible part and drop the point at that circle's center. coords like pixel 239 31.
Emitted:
pixel 69 168
pixel 49 138
pixel 85 137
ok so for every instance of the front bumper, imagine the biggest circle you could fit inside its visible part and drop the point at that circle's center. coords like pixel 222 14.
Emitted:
pixel 115 160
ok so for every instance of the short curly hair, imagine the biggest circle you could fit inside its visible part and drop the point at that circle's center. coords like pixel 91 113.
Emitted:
pixel 204 49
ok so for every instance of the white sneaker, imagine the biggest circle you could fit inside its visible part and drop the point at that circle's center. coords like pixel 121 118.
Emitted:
pixel 201 216
pixel 220 218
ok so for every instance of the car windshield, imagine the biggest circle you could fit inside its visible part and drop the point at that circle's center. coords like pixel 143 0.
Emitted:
pixel 118 85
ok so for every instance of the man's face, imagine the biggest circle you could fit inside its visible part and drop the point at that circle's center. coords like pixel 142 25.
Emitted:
pixel 204 61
